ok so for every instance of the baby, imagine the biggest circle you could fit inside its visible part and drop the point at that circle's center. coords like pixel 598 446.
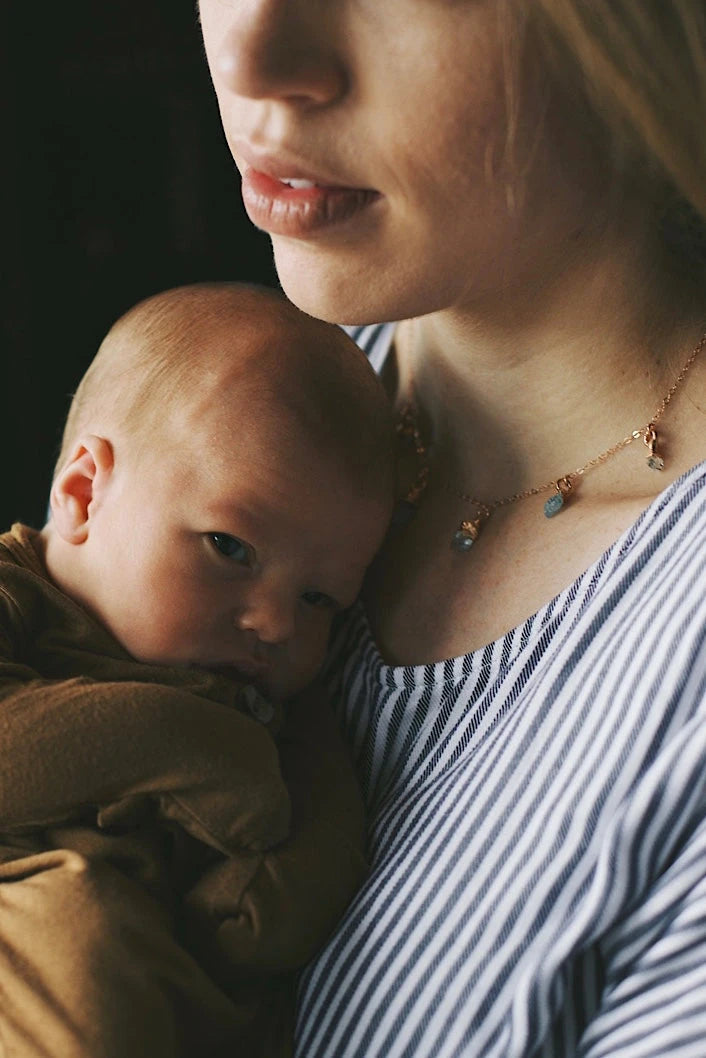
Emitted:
pixel 173 841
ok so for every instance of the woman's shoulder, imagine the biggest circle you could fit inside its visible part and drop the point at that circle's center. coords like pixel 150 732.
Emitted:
pixel 670 535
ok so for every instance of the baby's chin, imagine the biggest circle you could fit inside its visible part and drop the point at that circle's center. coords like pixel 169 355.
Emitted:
pixel 280 688
pixel 243 677
pixel 242 674
pixel 249 677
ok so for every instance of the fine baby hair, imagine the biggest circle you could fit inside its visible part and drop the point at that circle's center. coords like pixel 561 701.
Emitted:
pixel 194 346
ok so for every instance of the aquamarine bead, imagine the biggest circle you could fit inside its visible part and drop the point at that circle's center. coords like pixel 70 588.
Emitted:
pixel 553 505
pixel 462 541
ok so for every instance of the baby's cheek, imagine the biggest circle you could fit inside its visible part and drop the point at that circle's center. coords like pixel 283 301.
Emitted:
pixel 319 646
pixel 302 662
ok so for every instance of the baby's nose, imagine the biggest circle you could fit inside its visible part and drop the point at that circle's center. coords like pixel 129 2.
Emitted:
pixel 270 617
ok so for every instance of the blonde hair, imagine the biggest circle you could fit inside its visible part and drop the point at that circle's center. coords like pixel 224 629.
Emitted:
pixel 641 65
pixel 631 77
pixel 139 368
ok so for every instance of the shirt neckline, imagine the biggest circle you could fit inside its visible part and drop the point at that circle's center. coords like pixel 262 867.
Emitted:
pixel 376 341
pixel 497 656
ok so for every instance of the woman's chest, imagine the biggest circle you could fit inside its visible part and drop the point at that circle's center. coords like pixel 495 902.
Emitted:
pixel 509 798
pixel 426 600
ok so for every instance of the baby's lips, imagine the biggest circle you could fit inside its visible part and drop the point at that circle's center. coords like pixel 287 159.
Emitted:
pixel 259 705
pixel 245 671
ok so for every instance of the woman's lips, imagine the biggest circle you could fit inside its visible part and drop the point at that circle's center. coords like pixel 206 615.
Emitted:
pixel 302 207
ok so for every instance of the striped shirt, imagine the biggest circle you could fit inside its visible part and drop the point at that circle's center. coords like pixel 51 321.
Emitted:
pixel 537 814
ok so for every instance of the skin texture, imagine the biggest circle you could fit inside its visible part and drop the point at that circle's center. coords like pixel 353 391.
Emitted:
pixel 540 325
pixel 230 539
pixel 418 87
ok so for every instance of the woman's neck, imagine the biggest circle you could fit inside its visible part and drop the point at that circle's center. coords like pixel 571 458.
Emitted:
pixel 540 383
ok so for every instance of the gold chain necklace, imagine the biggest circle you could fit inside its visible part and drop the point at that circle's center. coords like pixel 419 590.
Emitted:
pixel 562 488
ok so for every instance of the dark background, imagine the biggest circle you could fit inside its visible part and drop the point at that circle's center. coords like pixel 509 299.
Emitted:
pixel 117 183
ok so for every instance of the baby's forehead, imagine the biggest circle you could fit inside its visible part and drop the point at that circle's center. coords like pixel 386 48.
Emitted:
pixel 265 445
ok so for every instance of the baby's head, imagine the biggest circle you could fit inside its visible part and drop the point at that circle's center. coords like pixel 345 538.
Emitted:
pixel 224 481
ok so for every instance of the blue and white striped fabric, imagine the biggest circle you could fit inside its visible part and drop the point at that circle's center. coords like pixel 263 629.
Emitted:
pixel 537 824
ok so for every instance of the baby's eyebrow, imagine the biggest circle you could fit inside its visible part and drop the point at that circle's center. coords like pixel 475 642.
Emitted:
pixel 241 519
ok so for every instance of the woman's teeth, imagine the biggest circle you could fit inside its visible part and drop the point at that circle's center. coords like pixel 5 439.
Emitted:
pixel 299 185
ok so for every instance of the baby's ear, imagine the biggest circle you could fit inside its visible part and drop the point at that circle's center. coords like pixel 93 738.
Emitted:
pixel 78 485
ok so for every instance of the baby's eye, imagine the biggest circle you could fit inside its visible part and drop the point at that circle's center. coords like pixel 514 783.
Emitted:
pixel 319 599
pixel 233 548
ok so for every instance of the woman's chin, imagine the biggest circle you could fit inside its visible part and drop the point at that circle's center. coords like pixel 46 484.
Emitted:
pixel 318 284
pixel 340 288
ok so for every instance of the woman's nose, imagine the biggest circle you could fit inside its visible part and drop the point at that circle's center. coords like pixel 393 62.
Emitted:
pixel 274 49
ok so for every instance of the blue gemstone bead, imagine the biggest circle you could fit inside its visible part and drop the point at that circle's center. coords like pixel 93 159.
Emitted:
pixel 553 505
pixel 462 541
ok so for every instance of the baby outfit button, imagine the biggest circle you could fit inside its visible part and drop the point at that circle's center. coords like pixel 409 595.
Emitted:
pixel 260 708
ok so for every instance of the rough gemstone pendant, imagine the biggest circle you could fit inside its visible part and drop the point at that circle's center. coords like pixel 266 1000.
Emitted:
pixel 466 535
pixel 555 503
pixel 654 459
